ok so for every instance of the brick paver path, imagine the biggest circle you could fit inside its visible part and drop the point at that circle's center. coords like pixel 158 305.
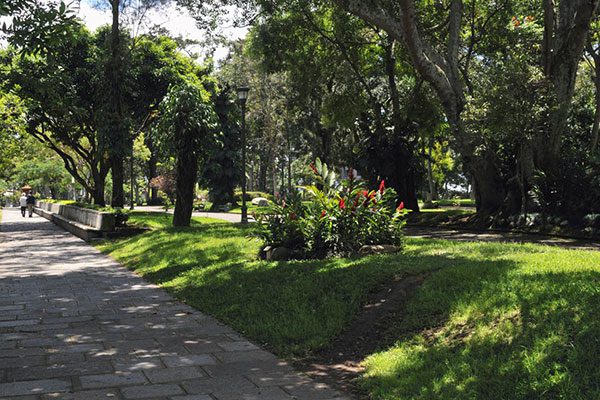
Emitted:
pixel 76 325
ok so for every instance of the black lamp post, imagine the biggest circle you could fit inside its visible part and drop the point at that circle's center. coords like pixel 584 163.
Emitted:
pixel 242 95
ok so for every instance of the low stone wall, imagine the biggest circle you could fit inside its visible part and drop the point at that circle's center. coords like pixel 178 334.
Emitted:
pixel 49 207
pixel 85 223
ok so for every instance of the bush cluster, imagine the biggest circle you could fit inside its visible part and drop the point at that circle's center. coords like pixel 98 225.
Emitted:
pixel 333 218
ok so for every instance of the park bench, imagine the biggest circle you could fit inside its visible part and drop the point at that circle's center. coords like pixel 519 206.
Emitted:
pixel 82 222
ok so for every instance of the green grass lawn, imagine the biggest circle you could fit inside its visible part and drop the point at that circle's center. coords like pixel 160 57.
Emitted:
pixel 493 321
pixel 455 202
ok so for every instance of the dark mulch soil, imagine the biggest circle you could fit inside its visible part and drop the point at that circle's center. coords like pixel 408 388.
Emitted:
pixel 126 231
pixel 339 363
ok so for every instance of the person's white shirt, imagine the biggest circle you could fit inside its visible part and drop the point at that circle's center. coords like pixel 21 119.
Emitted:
pixel 23 201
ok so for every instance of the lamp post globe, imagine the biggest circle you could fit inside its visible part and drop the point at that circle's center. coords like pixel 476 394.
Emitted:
pixel 242 96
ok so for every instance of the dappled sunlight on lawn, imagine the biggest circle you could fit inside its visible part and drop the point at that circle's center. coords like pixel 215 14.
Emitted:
pixel 527 331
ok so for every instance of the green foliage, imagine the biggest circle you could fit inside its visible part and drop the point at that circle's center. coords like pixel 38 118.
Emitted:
pixel 36 26
pixel 222 171
pixel 187 122
pixel 338 218
pixel 12 130
pixel 58 98
pixel 156 64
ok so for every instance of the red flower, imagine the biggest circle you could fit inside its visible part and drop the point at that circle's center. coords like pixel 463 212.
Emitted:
pixel 293 216
pixel 312 166
pixel 400 206
pixel 342 204
pixel 365 193
pixel 323 213
pixel 382 186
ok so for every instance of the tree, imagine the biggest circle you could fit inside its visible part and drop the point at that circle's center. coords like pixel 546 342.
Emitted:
pixel 116 124
pixel 155 64
pixel 58 93
pixel 118 130
pixel 503 73
pixel 187 128
pixel 222 170
pixel 12 130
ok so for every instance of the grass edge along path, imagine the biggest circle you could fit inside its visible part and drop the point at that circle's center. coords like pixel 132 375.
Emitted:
pixel 495 321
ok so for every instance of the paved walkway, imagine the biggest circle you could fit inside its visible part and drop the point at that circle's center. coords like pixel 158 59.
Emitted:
pixel 76 325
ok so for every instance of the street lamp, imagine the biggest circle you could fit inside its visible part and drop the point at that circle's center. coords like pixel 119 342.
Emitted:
pixel 242 95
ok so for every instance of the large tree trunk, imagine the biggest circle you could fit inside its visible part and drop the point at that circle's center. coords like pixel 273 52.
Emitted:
pixel 325 143
pixel 489 185
pixel 98 193
pixel 118 176
pixel 596 127
pixel 442 72
pixel 406 187
pixel 564 40
pixel 187 173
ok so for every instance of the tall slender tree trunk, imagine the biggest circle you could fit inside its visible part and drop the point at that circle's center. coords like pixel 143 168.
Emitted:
pixel 152 171
pixel 118 131
pixel 596 127
pixel 274 177
pixel 187 173
pixel 408 187
pixel 430 174
pixel 263 167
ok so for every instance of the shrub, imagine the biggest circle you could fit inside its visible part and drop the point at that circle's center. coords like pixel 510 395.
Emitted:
pixel 121 217
pixel 336 218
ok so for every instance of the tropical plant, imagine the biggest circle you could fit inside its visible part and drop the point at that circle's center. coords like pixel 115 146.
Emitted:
pixel 188 129
pixel 337 217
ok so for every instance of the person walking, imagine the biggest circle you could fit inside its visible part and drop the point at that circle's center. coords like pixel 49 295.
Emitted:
pixel 23 203
pixel 30 204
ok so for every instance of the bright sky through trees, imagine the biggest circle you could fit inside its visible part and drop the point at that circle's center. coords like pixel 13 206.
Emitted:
pixel 176 21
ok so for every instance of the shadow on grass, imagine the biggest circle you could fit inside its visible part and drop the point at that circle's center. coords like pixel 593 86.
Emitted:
pixel 297 307
pixel 525 336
